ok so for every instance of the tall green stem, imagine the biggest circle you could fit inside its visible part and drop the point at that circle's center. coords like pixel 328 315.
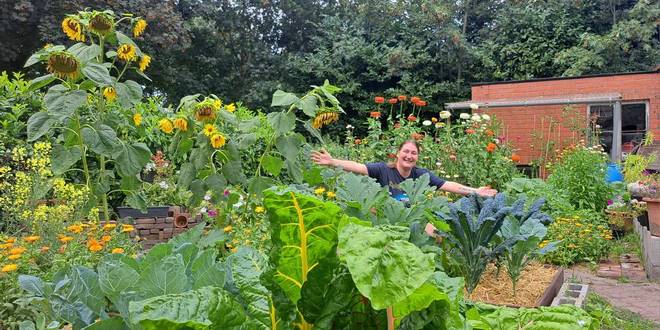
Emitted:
pixel 84 152
pixel 104 198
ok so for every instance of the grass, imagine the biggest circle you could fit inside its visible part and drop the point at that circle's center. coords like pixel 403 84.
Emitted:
pixel 628 244
pixel 611 318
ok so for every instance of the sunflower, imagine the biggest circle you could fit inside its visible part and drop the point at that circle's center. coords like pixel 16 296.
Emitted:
pixel 73 29
pixel 230 107
pixel 63 65
pixel 126 52
pixel 137 119
pixel 144 62
pixel 209 129
pixel 181 124
pixel 217 104
pixel 101 24
pixel 139 27
pixel 204 111
pixel 325 118
pixel 166 125
pixel 110 93
pixel 218 140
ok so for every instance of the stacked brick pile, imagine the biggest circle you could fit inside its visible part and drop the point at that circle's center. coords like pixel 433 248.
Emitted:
pixel 157 230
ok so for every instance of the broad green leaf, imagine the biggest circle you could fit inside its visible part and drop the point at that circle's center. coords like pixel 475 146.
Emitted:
pixel 63 158
pixel 113 323
pixel 85 282
pixel 124 39
pixel 314 131
pixel 39 82
pixel 308 105
pixel 157 253
pixel 216 183
pixel 117 273
pixel 257 184
pixel 246 141
pixel 97 73
pixel 289 146
pixel 282 122
pixel 130 183
pixel 132 158
pixel 34 285
pixel 38 125
pixel 168 276
pixel 233 171
pixel 205 308
pixel 61 103
pixel 245 268
pixel 385 268
pixel 102 139
pixel 283 99
pixel 249 125
pixel 294 169
pixel 137 200
pixel 206 271
pixel 129 93
pixel 272 164
pixel 438 287
pixel 186 175
pixel 85 52
pixel 304 230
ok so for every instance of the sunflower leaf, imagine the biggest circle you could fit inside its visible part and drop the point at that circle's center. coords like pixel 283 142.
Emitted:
pixel 98 74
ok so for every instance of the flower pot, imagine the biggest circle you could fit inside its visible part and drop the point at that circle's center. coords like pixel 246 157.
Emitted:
pixel 181 220
pixel 152 212
pixel 653 209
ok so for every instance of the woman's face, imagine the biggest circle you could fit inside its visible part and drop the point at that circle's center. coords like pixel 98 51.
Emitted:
pixel 407 156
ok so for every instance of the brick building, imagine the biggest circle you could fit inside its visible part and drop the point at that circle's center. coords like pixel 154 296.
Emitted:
pixel 625 106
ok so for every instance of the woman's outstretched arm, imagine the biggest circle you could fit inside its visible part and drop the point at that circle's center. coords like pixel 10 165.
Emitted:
pixel 322 157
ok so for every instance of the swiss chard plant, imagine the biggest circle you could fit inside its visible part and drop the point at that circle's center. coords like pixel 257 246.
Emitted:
pixel 529 226
pixel 474 223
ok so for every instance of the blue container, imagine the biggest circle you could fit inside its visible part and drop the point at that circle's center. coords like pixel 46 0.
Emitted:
pixel 613 173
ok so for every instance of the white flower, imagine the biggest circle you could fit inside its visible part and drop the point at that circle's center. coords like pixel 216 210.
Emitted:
pixel 597 126
pixel 456 175
pixel 164 185
pixel 445 114
pixel 207 197
pixel 474 106
pixel 464 115
pixel 202 210
pixel 497 141
pixel 438 164
pixel 150 166
pixel 239 203
pixel 476 118
pixel 349 126
pixel 427 123
pixel 485 117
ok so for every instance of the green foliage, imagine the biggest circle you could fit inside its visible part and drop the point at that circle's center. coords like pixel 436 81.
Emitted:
pixel 556 200
pixel 580 172
pixel 488 317
pixel 634 167
pixel 610 318
pixel 584 235
pixel 17 102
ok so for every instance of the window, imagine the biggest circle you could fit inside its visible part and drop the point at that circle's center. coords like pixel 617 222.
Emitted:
pixel 633 124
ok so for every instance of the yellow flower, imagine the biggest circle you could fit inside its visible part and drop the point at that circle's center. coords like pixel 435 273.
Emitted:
pixel 31 239
pixel 18 250
pixel 109 226
pixel 110 93
pixel 144 62
pixel 209 129
pixel 106 238
pixel 319 191
pixel 230 107
pixel 259 209
pixel 6 246
pixel 95 247
pixel 66 239
pixel 330 194
pixel 139 27
pixel 9 268
pixel 14 256
pixel 233 250
pixel 126 52
pixel 76 229
pixel 166 125
pixel 217 104
pixel 572 246
pixel 137 119
pixel 117 250
pixel 218 140
pixel 101 24
pixel 181 124
pixel 73 29
pixel 10 240
pixel 228 229
pixel 127 228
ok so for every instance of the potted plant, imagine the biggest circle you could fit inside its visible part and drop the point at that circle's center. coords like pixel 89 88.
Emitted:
pixel 621 211
pixel 649 189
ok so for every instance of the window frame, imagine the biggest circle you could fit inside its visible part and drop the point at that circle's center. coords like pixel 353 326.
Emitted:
pixel 646 118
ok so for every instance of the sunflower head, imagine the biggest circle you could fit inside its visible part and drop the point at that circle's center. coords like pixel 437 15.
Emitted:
pixel 101 24
pixel 144 62
pixel 166 125
pixel 110 93
pixel 63 65
pixel 209 129
pixel 204 111
pixel 137 119
pixel 126 52
pixel 218 140
pixel 181 124
pixel 139 27
pixel 324 118
pixel 73 29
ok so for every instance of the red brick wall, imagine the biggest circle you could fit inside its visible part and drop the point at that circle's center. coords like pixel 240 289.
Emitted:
pixel 520 122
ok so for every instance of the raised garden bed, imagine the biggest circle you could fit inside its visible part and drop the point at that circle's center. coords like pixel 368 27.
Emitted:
pixel 538 286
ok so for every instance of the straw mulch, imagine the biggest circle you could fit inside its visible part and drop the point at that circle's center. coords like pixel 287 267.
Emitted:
pixel 534 280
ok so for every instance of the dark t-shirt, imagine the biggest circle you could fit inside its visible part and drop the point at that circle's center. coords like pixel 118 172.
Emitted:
pixel 390 177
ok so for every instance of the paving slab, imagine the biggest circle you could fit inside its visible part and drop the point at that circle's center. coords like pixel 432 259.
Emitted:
pixel 642 298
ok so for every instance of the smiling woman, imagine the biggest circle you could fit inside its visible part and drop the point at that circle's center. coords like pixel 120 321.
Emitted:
pixel 392 174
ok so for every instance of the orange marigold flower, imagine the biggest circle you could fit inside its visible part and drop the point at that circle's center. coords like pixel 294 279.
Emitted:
pixel 117 250
pixel 127 228
pixel 6 246
pixel 14 257
pixel 9 268
pixel 374 114
pixel 109 226
pixel 31 239
pixel 470 131
pixel 393 100
pixel 96 247
pixel 76 229
pixel 106 238
pixel 18 250
pixel 491 147
pixel 402 97
pixel 490 132
pixel 66 239
pixel 412 118
pixel 228 229
pixel 379 99
pixel 357 141
pixel 515 158
pixel 10 240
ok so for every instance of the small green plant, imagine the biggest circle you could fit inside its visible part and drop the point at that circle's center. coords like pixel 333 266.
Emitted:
pixel 634 167
pixel 610 318
pixel 584 235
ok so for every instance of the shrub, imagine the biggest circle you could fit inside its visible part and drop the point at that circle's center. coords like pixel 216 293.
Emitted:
pixel 584 236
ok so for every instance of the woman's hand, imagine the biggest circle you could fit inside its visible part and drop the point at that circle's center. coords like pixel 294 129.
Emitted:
pixel 322 157
pixel 486 191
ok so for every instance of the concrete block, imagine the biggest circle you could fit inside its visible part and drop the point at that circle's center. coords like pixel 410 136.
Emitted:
pixel 571 293
pixel 650 252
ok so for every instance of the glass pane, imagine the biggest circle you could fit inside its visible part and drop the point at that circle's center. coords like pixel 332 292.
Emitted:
pixel 633 117
pixel 604 115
